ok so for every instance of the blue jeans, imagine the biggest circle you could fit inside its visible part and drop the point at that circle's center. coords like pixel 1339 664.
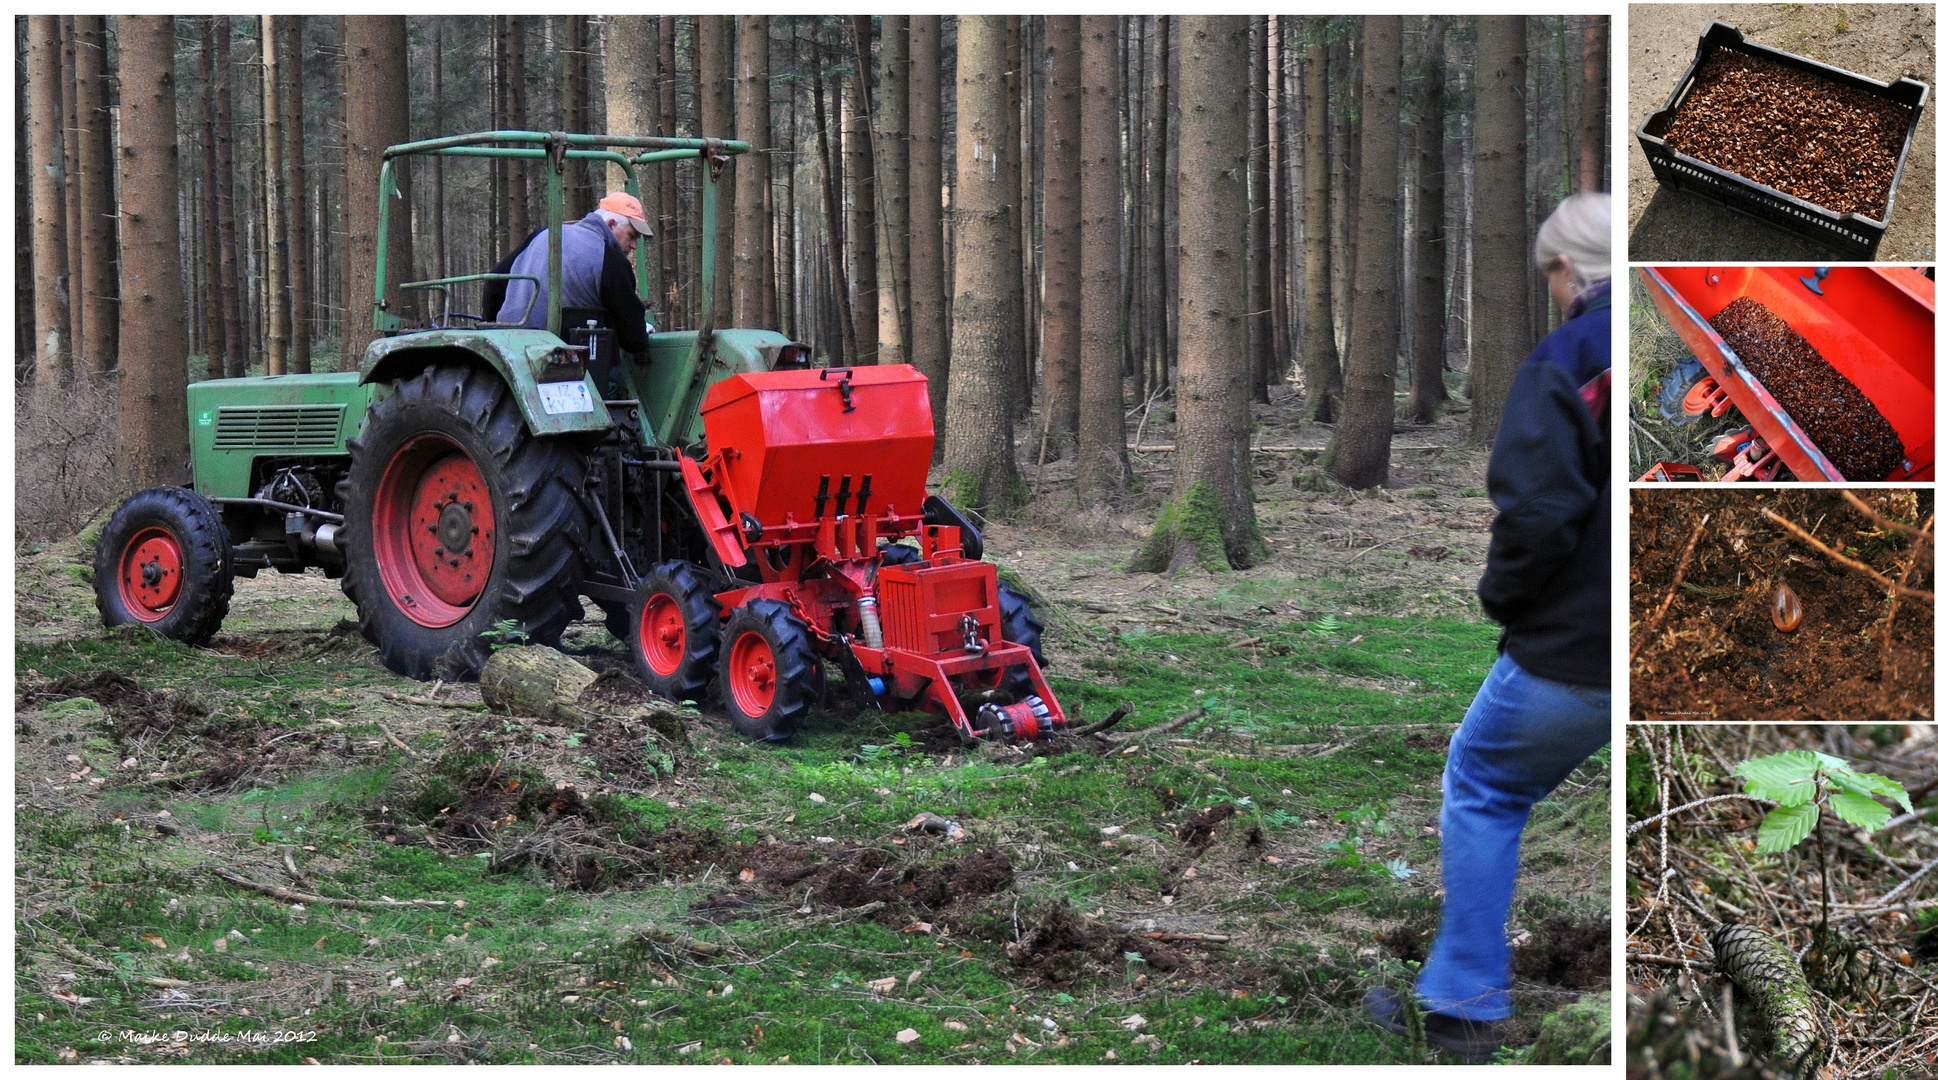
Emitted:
pixel 1521 738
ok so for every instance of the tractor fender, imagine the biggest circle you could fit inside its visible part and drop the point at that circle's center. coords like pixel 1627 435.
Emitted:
pixel 519 356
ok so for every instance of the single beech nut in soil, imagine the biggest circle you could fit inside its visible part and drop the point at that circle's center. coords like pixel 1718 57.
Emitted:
pixel 1785 609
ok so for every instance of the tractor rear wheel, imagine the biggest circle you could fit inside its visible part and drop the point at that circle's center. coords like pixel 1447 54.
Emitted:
pixel 769 675
pixel 460 520
pixel 163 561
pixel 674 631
pixel 1020 627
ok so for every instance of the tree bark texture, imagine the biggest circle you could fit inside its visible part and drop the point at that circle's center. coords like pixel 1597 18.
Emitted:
pixel 518 188
pixel 979 463
pixel 753 250
pixel 717 122
pixel 95 185
pixel 1362 440
pixel 301 273
pixel 1103 468
pixel 1258 221
pixel 891 181
pixel 844 323
pixel 150 421
pixel 230 274
pixel 71 197
pixel 1428 390
pixel 1501 253
pixel 1319 354
pixel 1593 137
pixel 632 92
pixel 275 240
pixel 53 349
pixel 672 311
pixel 857 143
pixel 1209 520
pixel 928 342
pixel 376 115
pixel 1062 231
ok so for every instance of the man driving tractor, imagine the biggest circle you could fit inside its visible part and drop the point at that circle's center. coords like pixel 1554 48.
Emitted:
pixel 597 275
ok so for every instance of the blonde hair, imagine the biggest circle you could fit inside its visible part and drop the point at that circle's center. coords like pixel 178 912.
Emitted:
pixel 1582 229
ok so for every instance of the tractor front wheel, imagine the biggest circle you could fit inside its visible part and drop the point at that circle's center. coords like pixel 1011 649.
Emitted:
pixel 163 561
pixel 674 631
pixel 769 674
pixel 459 523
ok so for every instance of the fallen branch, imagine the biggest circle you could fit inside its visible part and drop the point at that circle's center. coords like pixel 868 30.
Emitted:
pixel 467 706
pixel 1116 716
pixel 1682 567
pixel 1372 547
pixel 1640 825
pixel 1167 935
pixel 1667 961
pixel 1168 726
pixel 1884 522
pixel 291 896
pixel 289 864
pixel 1882 582
pixel 391 736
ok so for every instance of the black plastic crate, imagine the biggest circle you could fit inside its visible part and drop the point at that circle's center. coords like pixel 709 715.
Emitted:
pixel 1854 234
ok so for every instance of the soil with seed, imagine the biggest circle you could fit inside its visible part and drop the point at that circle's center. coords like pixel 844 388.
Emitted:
pixel 1843 423
pixel 1836 146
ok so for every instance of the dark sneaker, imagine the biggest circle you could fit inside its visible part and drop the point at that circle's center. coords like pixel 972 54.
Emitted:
pixel 1469 1040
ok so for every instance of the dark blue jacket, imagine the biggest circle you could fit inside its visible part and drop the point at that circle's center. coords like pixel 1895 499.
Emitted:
pixel 1547 578
pixel 597 282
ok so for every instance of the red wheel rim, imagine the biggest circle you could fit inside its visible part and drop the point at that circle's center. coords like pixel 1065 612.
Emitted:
pixel 750 671
pixel 662 634
pixel 432 531
pixel 151 573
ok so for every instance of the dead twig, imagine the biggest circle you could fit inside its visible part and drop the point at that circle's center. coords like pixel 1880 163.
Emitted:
pixel 1890 616
pixel 1168 726
pixel 1167 935
pixel 1116 717
pixel 467 706
pixel 1371 547
pixel 291 896
pixel 1661 613
pixel 1921 532
pixel 391 737
pixel 1881 581
pixel 289 864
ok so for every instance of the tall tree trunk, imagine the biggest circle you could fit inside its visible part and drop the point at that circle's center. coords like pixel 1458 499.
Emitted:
pixel 1258 222
pixel 302 328
pixel 1103 468
pixel 275 240
pixel 929 337
pixel 1319 354
pixel 54 366
pixel 1362 440
pixel 72 197
pixel 753 241
pixel 96 185
pixel 669 191
pixel 376 115
pixel 151 419
pixel 1157 257
pixel 717 122
pixel 230 275
pixel 979 464
pixel 440 243
pixel 1062 232
pixel 1209 520
pixel 859 167
pixel 575 103
pixel 632 93
pixel 1428 390
pixel 891 180
pixel 1501 335
pixel 1593 137
pixel 519 174
pixel 1010 171
pixel 1173 118
pixel 1280 235
pixel 844 327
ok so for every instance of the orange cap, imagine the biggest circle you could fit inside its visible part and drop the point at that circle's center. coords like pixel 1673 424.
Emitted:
pixel 627 207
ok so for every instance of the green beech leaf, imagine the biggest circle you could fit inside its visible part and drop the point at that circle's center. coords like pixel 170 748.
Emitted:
pixel 1784 778
pixel 1860 810
pixel 1876 785
pixel 1785 827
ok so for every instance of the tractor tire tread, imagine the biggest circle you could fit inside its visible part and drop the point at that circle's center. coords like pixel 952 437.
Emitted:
pixel 208 569
pixel 687 584
pixel 797 670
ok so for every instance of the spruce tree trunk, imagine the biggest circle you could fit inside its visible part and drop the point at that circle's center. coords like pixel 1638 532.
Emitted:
pixel 1430 298
pixel 1277 196
pixel 1103 467
pixel 1593 136
pixel 717 122
pixel 376 115
pixel 301 273
pixel 844 324
pixel 632 104
pixel 859 167
pixel 230 275
pixel 576 105
pixel 979 464
pixel 1209 520
pixel 1362 440
pixel 891 180
pixel 150 421
pixel 275 240
pixel 671 311
pixel 929 329
pixel 1258 222
pixel 54 363
pixel 519 174
pixel 1062 235
pixel 94 142
pixel 753 251
pixel 1319 355
pixel 71 198
pixel 1016 351
pixel 1501 253
pixel 1157 259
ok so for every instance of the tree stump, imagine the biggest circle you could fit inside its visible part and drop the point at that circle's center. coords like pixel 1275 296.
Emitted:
pixel 535 681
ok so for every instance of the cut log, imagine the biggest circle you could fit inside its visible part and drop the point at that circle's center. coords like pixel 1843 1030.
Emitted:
pixel 535 681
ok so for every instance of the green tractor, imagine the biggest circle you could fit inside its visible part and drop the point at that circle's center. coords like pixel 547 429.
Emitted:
pixel 469 474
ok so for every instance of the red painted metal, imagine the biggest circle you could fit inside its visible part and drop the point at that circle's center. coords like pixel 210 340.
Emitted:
pixel 1873 324
pixel 150 574
pixel 807 474
pixel 1669 472
pixel 434 530
pixel 662 633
